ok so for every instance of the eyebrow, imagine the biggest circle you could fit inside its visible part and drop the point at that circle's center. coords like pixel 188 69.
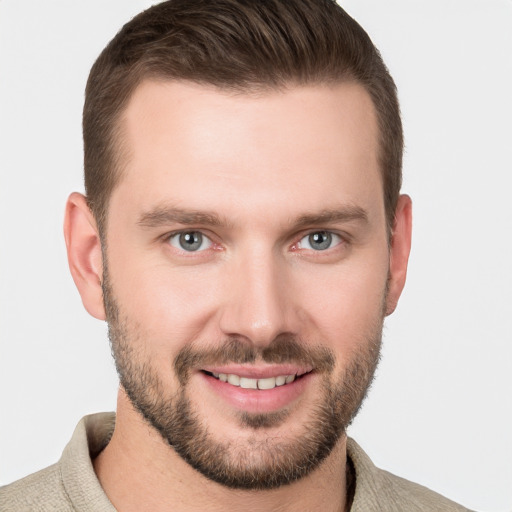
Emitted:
pixel 330 216
pixel 165 215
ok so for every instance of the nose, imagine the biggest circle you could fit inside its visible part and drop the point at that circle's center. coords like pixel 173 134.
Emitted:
pixel 259 303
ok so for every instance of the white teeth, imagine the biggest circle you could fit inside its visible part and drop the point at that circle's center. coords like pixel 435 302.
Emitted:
pixel 269 383
pixel 280 380
pixel 247 383
pixel 234 379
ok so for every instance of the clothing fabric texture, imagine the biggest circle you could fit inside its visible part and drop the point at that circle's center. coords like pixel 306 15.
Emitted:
pixel 71 484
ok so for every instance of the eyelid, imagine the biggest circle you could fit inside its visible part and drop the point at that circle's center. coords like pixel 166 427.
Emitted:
pixel 213 244
pixel 175 234
pixel 342 239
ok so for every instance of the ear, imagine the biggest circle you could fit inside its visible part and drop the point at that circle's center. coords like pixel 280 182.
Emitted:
pixel 399 251
pixel 84 253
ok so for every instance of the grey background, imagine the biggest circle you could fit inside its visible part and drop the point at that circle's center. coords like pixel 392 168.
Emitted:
pixel 440 412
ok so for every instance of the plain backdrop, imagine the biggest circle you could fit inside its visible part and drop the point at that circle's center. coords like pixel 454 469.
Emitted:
pixel 440 411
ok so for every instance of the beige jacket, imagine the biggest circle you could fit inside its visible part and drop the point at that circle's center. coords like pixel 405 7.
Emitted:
pixel 71 484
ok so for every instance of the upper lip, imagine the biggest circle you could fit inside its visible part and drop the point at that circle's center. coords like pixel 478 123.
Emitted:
pixel 260 371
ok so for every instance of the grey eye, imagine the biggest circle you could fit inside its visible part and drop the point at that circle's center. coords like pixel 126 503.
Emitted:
pixel 319 241
pixel 190 241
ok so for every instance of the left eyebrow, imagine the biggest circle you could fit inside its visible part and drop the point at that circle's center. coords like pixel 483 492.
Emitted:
pixel 331 216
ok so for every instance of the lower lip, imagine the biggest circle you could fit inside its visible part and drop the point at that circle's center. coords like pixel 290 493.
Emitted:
pixel 259 400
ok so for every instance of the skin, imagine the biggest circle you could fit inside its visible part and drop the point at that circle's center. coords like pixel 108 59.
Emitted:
pixel 259 163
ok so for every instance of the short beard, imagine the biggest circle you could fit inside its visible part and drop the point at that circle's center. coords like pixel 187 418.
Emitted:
pixel 258 463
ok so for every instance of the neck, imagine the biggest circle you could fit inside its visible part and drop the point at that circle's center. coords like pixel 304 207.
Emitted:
pixel 139 471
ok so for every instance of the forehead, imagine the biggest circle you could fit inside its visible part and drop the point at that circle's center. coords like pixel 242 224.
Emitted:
pixel 201 147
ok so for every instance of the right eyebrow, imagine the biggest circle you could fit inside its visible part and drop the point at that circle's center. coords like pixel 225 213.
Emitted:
pixel 165 215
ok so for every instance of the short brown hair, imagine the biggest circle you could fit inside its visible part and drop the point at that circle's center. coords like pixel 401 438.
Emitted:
pixel 239 45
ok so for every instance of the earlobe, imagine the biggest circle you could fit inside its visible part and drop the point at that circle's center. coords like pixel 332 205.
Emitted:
pixel 84 253
pixel 399 251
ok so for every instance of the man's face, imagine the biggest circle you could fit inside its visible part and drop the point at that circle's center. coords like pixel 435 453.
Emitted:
pixel 247 242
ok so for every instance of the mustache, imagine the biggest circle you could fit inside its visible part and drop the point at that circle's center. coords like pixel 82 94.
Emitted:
pixel 285 348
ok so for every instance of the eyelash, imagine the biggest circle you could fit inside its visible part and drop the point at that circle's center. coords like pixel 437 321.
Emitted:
pixel 296 246
pixel 331 236
pixel 175 235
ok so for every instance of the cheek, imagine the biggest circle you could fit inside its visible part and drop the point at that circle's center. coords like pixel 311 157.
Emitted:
pixel 168 304
pixel 345 306
pixel 338 305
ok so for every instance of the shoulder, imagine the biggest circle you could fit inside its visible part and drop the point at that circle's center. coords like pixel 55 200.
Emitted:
pixel 379 490
pixel 406 495
pixel 37 492
pixel 70 484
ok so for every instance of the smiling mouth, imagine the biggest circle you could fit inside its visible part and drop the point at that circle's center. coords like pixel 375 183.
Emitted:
pixel 251 383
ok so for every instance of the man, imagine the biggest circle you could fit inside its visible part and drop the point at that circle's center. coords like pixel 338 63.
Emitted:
pixel 244 236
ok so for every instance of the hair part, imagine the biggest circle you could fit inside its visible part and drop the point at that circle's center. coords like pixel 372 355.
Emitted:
pixel 236 45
